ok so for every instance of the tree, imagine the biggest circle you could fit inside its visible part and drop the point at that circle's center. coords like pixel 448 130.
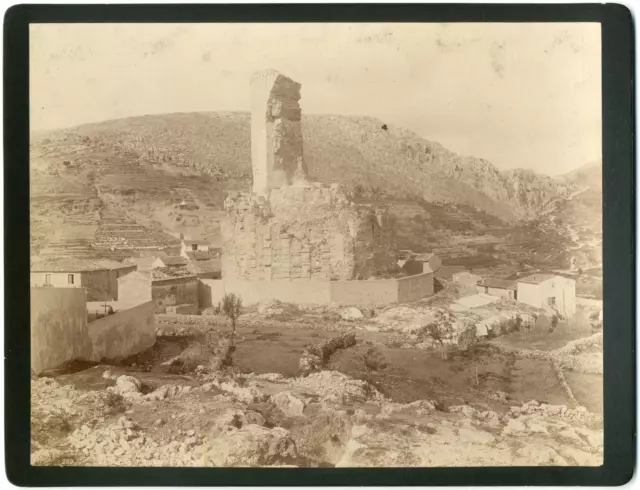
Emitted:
pixel 441 330
pixel 230 307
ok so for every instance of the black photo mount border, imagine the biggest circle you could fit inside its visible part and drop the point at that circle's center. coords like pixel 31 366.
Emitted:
pixel 618 112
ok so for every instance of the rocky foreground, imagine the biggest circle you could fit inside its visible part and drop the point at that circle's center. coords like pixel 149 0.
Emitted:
pixel 323 419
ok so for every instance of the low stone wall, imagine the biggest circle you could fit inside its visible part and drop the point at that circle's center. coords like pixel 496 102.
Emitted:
pixel 60 332
pixel 301 292
pixel 382 291
pixel 122 334
pixel 373 292
pixel 369 292
pixel 58 327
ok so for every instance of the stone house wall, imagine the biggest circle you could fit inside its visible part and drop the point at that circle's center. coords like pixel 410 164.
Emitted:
pixel 176 291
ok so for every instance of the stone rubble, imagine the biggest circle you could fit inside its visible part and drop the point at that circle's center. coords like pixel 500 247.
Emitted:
pixel 270 420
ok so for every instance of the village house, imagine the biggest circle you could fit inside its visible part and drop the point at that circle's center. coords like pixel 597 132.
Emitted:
pixel 551 292
pixel 498 287
pixel 195 244
pixel 99 278
pixel 174 290
pixel 430 262
pixel 420 263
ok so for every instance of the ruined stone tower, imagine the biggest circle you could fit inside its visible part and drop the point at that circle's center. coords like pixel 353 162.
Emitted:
pixel 288 228
pixel 276 132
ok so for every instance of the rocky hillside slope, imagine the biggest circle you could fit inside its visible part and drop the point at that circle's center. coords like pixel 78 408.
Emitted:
pixel 361 152
pixel 324 420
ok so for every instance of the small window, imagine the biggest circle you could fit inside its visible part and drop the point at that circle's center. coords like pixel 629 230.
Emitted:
pixel 552 301
pixel 194 247
pixel 70 279
pixel 47 278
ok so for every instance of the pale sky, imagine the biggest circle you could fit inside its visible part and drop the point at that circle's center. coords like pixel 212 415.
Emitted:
pixel 518 95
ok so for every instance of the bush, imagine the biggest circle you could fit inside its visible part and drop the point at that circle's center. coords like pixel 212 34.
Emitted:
pixel 467 337
pixel 374 360
pixel 114 403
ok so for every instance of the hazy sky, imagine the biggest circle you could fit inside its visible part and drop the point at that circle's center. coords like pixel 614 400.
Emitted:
pixel 519 95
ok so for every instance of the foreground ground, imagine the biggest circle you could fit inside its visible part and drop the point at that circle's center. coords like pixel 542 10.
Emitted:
pixel 388 400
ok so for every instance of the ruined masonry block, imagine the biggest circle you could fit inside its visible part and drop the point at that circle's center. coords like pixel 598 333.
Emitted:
pixel 276 132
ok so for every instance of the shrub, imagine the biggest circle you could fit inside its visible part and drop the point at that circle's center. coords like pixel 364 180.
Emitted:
pixel 440 331
pixel 114 402
pixel 374 360
pixel 517 323
pixel 467 337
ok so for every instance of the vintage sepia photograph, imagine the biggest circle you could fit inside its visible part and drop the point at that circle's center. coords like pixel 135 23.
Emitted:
pixel 316 245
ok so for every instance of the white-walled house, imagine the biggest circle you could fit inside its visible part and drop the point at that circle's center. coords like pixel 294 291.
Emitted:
pixel 550 292
pixel 194 245
pixel 497 287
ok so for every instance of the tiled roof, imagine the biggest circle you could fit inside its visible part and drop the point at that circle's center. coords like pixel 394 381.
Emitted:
pixel 170 273
pixel 536 278
pixel 203 266
pixel 73 264
pixel 497 283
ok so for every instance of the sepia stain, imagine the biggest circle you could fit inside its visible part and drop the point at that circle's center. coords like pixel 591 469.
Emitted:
pixel 497 54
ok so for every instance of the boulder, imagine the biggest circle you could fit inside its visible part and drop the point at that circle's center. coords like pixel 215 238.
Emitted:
pixel 288 403
pixel 251 446
pixel 128 387
pixel 351 314
pixel 514 428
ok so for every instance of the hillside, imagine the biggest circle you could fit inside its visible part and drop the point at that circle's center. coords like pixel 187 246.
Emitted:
pixel 355 151
pixel 142 167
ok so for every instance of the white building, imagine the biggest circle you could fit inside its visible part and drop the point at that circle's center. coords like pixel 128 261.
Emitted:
pixel 504 288
pixel 548 291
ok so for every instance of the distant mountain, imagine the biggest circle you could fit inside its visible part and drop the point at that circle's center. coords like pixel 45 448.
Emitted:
pixel 589 175
pixel 363 153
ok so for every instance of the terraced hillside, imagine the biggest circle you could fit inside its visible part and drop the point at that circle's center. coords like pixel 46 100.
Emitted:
pixel 143 167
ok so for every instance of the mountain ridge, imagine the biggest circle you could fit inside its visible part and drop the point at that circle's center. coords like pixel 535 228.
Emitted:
pixel 357 151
